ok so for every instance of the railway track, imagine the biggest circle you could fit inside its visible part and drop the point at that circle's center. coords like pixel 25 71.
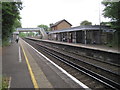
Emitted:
pixel 101 56
pixel 92 75
pixel 109 66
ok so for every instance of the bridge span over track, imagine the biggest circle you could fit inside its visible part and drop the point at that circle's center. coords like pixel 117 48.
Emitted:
pixel 44 34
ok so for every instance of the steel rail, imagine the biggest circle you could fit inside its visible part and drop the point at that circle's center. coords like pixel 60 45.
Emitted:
pixel 82 55
pixel 84 61
pixel 86 71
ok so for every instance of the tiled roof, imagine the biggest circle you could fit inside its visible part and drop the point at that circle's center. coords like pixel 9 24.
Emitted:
pixel 60 22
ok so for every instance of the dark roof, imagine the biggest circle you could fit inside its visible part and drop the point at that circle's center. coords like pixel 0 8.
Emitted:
pixel 60 22
pixel 84 27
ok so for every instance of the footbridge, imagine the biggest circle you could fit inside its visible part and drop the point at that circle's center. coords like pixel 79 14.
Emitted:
pixel 44 34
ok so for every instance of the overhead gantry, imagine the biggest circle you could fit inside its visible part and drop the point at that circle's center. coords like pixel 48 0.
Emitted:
pixel 43 32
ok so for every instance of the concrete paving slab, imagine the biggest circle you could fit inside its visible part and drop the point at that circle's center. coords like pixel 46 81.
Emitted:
pixel 11 67
pixel 57 78
pixel 39 75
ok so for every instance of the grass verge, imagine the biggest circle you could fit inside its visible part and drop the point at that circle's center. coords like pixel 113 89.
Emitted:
pixel 5 83
pixel 5 43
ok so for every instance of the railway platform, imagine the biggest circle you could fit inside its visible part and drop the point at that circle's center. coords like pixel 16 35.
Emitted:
pixel 87 46
pixel 29 68
pixel 15 69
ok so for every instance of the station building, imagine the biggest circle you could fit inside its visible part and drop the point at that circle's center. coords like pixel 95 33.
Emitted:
pixel 87 34
pixel 62 24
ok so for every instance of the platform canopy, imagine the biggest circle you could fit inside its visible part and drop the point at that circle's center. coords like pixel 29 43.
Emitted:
pixel 84 28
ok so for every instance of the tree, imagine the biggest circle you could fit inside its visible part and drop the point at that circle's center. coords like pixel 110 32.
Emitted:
pixel 112 11
pixel 85 22
pixel 10 18
pixel 45 27
pixel 105 23
pixel 22 34
pixel 31 34
pixel 17 24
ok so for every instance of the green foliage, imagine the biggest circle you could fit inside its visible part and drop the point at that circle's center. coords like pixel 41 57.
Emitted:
pixel 85 22
pixel 0 12
pixel 30 34
pixel 5 43
pixel 10 18
pixel 5 83
pixel 112 11
pixel 22 34
pixel 45 27
pixel 106 23
pixel 17 24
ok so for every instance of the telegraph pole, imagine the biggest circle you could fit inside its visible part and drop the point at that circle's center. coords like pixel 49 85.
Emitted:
pixel 100 22
pixel 100 15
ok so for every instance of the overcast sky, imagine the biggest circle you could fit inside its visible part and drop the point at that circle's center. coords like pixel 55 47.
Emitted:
pixel 36 12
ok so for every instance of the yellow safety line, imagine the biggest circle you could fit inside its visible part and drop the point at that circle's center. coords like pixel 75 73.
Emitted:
pixel 30 70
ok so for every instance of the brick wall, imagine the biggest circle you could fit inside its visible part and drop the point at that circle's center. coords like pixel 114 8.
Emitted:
pixel 63 25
